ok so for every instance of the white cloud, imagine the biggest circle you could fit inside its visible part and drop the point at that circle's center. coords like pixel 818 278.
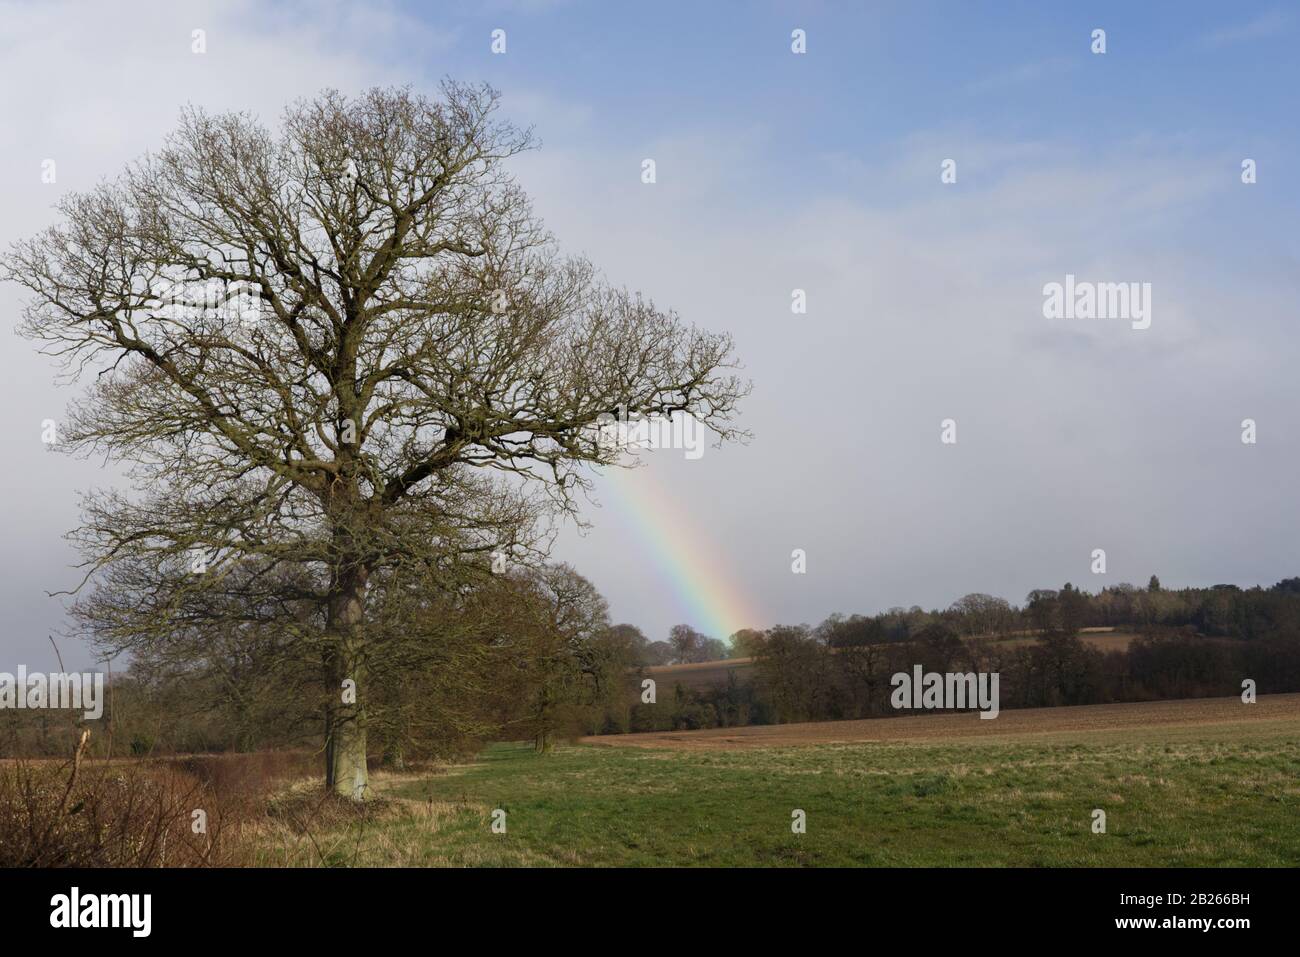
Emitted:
pixel 924 301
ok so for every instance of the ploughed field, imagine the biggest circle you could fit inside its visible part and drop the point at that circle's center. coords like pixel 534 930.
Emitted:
pixel 1082 722
pixel 1210 782
pixel 705 674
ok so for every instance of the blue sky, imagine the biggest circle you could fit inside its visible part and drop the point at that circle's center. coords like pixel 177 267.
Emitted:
pixel 875 73
pixel 818 172
pixel 1197 78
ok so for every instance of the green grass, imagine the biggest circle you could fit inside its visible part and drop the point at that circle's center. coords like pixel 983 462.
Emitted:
pixel 1183 797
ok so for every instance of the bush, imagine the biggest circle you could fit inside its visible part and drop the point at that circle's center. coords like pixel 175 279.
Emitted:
pixel 133 813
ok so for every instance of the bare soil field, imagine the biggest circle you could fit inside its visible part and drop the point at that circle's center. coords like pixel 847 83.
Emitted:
pixel 1103 639
pixel 702 674
pixel 706 674
pixel 1271 712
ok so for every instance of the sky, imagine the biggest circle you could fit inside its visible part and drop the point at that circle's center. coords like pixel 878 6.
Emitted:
pixel 819 171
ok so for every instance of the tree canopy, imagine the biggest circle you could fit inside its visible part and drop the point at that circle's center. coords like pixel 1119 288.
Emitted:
pixel 336 356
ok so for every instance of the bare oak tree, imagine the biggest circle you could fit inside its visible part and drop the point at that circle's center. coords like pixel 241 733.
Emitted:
pixel 333 352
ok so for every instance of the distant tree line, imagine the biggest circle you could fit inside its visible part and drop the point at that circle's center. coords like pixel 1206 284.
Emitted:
pixel 528 653
pixel 532 654
pixel 1192 642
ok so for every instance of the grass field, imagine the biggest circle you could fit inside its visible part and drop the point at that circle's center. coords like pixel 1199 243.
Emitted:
pixel 1198 783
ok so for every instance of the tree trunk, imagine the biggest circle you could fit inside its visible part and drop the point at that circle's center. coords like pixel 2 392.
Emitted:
pixel 394 756
pixel 345 714
pixel 542 741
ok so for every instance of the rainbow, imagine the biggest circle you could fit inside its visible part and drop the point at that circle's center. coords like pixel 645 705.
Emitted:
pixel 696 572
